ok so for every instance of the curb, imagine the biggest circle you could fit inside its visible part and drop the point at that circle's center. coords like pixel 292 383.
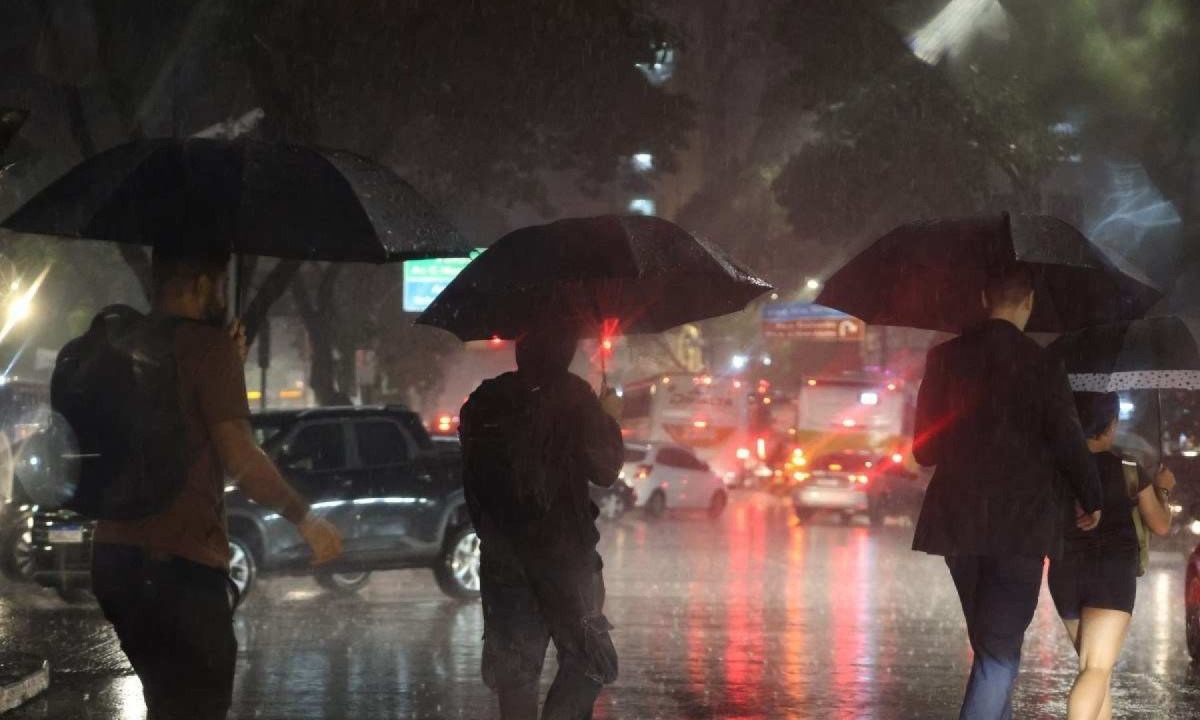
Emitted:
pixel 22 678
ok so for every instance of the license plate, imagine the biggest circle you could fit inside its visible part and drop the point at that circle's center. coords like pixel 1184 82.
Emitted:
pixel 65 535
pixel 829 482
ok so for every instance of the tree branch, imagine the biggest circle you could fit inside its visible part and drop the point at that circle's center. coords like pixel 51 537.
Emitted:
pixel 273 287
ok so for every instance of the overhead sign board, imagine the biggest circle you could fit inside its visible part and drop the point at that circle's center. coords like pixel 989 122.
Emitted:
pixel 425 279
pixel 808 321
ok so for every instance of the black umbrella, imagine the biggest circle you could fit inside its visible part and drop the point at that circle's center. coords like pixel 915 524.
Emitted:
pixel 273 200
pixel 1154 353
pixel 629 274
pixel 930 274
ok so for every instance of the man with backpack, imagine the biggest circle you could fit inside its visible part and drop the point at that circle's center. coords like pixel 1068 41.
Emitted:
pixel 532 442
pixel 159 406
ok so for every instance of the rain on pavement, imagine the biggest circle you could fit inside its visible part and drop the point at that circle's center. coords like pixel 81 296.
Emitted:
pixel 751 616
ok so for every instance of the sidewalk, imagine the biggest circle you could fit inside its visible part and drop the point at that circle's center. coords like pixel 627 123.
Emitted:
pixel 22 677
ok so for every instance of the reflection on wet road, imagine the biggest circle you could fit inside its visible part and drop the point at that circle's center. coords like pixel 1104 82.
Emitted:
pixel 751 616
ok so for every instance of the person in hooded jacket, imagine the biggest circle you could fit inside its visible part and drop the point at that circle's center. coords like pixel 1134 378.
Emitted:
pixel 532 442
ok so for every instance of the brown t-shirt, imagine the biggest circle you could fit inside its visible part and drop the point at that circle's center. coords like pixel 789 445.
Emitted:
pixel 212 390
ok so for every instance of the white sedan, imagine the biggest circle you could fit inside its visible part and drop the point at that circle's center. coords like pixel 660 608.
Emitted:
pixel 671 477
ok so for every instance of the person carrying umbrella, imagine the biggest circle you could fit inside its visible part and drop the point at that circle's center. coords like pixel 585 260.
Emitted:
pixel 161 577
pixel 534 439
pixel 160 573
pixel 995 415
pixel 994 411
pixel 1094 583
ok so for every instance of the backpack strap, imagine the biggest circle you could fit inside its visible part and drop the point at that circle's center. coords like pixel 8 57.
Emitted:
pixel 1129 469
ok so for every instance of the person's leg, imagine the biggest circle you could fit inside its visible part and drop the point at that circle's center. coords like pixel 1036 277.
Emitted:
pixel 1072 627
pixel 1005 601
pixel 964 570
pixel 130 604
pixel 1101 636
pixel 204 648
pixel 515 639
pixel 587 659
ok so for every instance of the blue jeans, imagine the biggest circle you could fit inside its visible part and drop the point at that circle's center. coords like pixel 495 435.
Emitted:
pixel 999 596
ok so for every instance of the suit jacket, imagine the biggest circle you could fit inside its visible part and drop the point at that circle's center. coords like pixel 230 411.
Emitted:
pixel 996 416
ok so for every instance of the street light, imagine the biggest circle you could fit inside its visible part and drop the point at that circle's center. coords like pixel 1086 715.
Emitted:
pixel 739 362
pixel 19 309
pixel 813 284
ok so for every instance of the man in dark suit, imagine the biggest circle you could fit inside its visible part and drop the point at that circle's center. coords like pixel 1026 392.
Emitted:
pixel 996 416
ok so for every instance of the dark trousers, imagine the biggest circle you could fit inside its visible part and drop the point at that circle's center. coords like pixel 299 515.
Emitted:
pixel 527 604
pixel 174 619
pixel 999 596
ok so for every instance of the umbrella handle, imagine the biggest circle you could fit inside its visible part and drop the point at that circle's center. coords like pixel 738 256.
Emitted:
pixel 239 284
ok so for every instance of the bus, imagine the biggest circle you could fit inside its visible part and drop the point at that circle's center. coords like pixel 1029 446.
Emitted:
pixel 854 413
pixel 711 415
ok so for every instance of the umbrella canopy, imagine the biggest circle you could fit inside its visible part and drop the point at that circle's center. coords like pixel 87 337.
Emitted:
pixel 632 274
pixel 272 200
pixel 930 274
pixel 1155 353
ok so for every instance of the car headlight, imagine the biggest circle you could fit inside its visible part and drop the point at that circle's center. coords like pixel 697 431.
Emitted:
pixel 1194 527
pixel 1176 509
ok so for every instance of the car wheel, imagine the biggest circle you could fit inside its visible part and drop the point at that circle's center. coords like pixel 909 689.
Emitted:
pixel 344 583
pixel 803 514
pixel 656 506
pixel 243 569
pixel 457 570
pixel 611 506
pixel 1192 614
pixel 716 505
pixel 17 548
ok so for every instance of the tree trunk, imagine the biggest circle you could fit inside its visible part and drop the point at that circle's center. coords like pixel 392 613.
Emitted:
pixel 323 370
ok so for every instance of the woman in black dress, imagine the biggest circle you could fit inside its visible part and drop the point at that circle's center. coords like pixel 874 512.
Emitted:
pixel 1095 580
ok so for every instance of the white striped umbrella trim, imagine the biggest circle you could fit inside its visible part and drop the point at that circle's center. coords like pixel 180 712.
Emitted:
pixel 1136 380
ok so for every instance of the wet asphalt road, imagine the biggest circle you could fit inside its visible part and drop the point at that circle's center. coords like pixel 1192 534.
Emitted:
pixel 751 616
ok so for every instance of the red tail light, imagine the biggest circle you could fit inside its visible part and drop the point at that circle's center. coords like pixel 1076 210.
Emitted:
pixel 643 471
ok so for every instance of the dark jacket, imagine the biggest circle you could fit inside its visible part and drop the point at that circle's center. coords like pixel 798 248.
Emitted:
pixel 529 454
pixel 996 416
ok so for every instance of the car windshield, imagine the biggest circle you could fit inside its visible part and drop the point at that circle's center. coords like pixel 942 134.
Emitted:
pixel 267 428
pixel 634 455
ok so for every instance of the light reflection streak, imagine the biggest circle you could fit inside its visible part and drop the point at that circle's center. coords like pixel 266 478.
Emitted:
pixel 852 631
pixel 798 621
pixel 1163 627
pixel 951 29
pixel 130 699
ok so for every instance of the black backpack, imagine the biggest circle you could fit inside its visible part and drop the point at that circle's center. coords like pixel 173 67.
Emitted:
pixel 505 476
pixel 117 387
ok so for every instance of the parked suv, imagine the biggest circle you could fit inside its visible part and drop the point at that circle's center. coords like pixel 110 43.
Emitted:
pixel 373 472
